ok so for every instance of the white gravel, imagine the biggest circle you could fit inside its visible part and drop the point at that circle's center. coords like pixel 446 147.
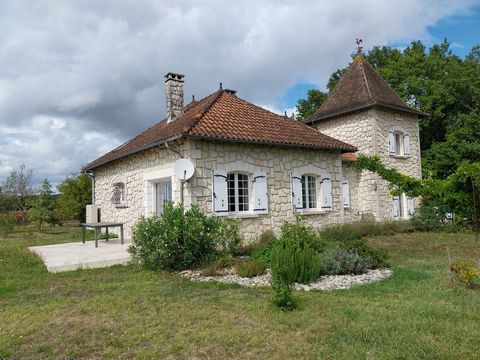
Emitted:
pixel 326 282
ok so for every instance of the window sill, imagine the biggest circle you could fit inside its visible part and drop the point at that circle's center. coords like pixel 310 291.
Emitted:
pixel 313 212
pixel 244 215
pixel 400 156
pixel 121 206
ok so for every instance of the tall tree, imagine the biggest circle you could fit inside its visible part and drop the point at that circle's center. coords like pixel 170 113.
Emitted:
pixel 19 185
pixel 306 107
pixel 75 195
pixel 43 206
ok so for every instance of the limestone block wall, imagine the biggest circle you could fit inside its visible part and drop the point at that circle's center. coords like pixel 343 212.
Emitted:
pixel 132 171
pixel 278 163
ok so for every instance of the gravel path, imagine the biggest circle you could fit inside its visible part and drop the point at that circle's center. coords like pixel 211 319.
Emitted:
pixel 326 282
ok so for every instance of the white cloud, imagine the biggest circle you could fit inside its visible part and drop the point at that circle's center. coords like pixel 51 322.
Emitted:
pixel 97 66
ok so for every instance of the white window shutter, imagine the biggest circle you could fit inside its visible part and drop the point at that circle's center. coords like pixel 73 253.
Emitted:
pixel 396 207
pixel 346 193
pixel 297 192
pixel 149 199
pixel 406 145
pixel 260 193
pixel 326 191
pixel 219 193
pixel 410 206
pixel 391 142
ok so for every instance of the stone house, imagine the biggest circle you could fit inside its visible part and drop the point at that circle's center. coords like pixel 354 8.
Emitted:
pixel 265 168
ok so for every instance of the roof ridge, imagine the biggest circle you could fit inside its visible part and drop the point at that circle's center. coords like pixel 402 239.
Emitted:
pixel 366 82
pixel 204 111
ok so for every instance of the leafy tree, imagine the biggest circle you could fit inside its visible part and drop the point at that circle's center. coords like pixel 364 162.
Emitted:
pixel 19 185
pixel 43 206
pixel 75 195
pixel 306 107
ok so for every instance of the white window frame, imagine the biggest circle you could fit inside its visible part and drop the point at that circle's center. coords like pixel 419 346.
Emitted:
pixel 236 195
pixel 155 184
pixel 307 186
pixel 398 145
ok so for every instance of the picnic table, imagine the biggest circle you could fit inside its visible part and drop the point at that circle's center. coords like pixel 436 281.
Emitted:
pixel 100 225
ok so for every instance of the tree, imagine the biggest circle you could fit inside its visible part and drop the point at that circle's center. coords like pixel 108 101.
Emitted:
pixel 75 195
pixel 43 206
pixel 19 185
pixel 307 107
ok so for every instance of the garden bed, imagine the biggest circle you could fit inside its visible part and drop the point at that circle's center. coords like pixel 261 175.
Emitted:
pixel 325 282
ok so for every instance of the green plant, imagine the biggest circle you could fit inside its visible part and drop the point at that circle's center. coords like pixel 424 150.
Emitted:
pixel 213 268
pixel 340 261
pixel 376 257
pixel 182 239
pixel 429 218
pixel 341 233
pixel 7 224
pixel 466 274
pixel 264 241
pixel 302 234
pixel 283 293
pixel 250 268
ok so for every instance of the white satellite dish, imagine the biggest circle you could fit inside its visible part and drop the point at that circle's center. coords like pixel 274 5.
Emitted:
pixel 183 169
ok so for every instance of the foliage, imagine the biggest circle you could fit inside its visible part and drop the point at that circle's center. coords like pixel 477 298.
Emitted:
pixel 465 273
pixel 250 268
pixel 348 232
pixel 75 195
pixel 300 233
pixel 307 107
pixel 377 258
pixel 295 262
pixel 213 269
pixel 429 217
pixel 43 206
pixel 264 240
pixel 19 185
pixel 7 224
pixel 182 239
pixel 283 293
pixel 341 233
pixel 340 261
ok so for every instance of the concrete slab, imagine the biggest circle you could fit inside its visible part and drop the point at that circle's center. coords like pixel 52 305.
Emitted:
pixel 73 256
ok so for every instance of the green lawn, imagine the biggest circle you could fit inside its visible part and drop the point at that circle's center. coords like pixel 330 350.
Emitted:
pixel 123 312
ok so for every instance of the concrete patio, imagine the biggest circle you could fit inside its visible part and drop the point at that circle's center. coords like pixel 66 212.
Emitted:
pixel 73 256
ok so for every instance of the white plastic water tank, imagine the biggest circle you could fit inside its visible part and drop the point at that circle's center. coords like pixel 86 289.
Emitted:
pixel 92 214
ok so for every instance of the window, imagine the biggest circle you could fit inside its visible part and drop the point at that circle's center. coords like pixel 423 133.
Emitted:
pixel 398 143
pixel 309 192
pixel 119 197
pixel 163 194
pixel 237 189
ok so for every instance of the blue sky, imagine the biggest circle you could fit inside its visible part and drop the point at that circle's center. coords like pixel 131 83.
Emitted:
pixel 462 31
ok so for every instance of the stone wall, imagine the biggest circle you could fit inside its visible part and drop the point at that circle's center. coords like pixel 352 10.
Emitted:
pixel 368 131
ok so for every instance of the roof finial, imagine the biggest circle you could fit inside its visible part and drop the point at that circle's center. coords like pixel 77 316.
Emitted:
pixel 359 45
pixel 285 113
pixel 193 97
pixel 221 86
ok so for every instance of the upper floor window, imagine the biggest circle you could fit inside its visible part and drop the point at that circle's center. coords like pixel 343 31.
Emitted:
pixel 237 188
pixel 119 197
pixel 398 143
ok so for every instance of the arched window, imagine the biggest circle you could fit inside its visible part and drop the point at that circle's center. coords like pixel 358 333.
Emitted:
pixel 238 192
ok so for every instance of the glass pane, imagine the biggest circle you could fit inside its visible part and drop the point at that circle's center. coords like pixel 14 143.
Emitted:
pixel 231 191
pixel 304 192
pixel 163 194
pixel 242 192
pixel 312 192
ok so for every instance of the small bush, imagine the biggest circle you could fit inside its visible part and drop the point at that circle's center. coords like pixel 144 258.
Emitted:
pixel 429 218
pixel 283 293
pixel 213 268
pixel 302 234
pixel 264 241
pixel 376 257
pixel 344 232
pixel 294 262
pixel 466 274
pixel 250 268
pixel 182 239
pixel 7 224
pixel 341 262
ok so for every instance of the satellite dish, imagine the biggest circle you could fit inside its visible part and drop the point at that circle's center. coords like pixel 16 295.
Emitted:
pixel 183 169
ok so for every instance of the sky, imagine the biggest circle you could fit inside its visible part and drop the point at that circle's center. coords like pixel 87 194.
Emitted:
pixel 78 78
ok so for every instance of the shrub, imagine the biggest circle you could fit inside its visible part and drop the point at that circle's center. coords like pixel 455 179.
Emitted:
pixel 466 274
pixel 302 234
pixel 264 241
pixel 294 262
pixel 283 293
pixel 250 268
pixel 429 218
pixel 341 233
pixel 213 268
pixel 341 262
pixel 182 239
pixel 349 232
pixel 376 257
pixel 7 224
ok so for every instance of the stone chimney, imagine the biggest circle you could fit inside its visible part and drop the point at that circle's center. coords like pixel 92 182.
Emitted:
pixel 174 94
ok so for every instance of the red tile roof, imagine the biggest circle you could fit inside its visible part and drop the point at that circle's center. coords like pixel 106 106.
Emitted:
pixel 226 117
pixel 348 157
pixel 360 87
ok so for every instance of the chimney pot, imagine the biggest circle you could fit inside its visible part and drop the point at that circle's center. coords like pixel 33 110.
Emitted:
pixel 174 95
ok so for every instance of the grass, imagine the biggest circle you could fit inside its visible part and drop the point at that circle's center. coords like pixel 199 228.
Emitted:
pixel 124 312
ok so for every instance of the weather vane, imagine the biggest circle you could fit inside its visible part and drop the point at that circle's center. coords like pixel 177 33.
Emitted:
pixel 359 45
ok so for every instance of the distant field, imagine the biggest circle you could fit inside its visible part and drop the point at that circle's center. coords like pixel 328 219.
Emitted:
pixel 123 312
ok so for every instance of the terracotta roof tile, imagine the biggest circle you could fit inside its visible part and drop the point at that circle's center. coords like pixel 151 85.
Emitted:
pixel 348 157
pixel 224 116
pixel 359 88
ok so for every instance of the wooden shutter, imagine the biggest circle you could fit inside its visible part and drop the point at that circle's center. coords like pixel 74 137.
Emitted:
pixel 396 207
pixel 297 192
pixel 346 193
pixel 326 190
pixel 260 193
pixel 410 206
pixel 406 145
pixel 219 193
pixel 391 142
